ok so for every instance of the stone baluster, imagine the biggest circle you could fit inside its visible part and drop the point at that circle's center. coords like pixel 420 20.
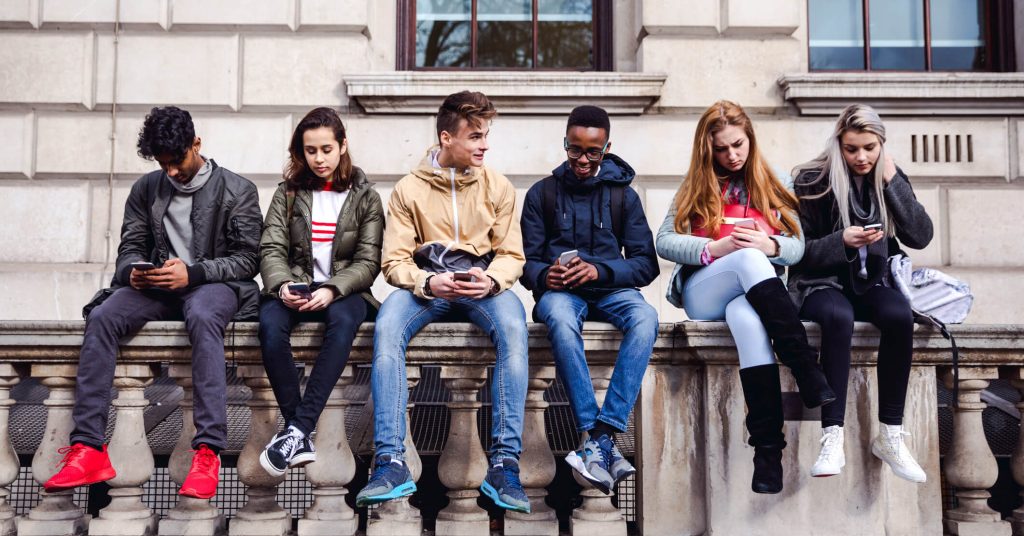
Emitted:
pixel 131 457
pixel 970 466
pixel 333 469
pixel 537 464
pixel 9 466
pixel 190 515
pixel 261 515
pixel 597 515
pixel 1017 460
pixel 398 517
pixel 56 513
pixel 463 464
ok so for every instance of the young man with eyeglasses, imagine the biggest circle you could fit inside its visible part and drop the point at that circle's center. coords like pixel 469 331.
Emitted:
pixel 588 250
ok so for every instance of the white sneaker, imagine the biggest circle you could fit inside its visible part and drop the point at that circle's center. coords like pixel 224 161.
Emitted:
pixel 888 446
pixel 832 458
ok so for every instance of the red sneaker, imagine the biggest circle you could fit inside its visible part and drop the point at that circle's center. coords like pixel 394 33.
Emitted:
pixel 202 479
pixel 82 465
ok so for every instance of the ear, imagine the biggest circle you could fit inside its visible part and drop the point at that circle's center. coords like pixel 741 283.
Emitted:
pixel 344 147
pixel 445 138
pixel 608 148
pixel 197 144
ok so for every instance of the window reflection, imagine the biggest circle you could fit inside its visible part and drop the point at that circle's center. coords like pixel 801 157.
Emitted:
pixel 957 35
pixel 565 34
pixel 443 33
pixel 505 36
pixel 836 34
pixel 897 35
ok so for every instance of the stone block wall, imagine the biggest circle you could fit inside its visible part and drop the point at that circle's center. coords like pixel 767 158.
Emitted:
pixel 248 71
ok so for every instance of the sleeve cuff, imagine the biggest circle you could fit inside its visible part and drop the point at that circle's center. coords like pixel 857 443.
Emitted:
pixel 604 273
pixel 196 275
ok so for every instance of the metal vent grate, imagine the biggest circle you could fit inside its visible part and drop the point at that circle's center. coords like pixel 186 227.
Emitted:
pixel 936 148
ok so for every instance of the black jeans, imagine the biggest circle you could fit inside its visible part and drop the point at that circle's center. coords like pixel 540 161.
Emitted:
pixel 207 309
pixel 342 318
pixel 888 310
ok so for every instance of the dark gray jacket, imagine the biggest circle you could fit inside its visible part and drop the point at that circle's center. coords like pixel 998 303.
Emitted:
pixel 826 259
pixel 226 227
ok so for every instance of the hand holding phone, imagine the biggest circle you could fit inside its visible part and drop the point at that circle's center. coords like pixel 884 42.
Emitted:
pixel 301 290
pixel 143 266
pixel 463 275
pixel 567 257
pixel 873 227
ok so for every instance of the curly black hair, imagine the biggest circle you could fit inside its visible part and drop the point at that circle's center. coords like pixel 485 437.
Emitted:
pixel 166 131
pixel 589 116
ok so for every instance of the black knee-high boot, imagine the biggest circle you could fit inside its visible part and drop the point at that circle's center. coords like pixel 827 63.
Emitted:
pixel 763 393
pixel 771 301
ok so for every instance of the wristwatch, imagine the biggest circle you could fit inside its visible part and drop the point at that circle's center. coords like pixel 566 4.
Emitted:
pixel 425 289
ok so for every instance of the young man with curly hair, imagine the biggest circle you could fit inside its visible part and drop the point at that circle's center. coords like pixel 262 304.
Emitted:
pixel 189 251
pixel 453 248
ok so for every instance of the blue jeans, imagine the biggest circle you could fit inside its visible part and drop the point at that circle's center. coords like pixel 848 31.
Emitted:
pixel 564 313
pixel 402 316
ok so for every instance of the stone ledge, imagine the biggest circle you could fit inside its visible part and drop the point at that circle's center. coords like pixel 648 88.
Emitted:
pixel 513 92
pixel 907 93
pixel 442 343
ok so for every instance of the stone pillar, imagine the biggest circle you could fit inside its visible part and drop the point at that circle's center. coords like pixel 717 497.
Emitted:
pixel 56 513
pixel 131 457
pixel 1017 461
pixel 261 515
pixel 463 464
pixel 190 515
pixel 397 517
pixel 9 466
pixel 334 467
pixel 597 515
pixel 970 465
pixel 537 464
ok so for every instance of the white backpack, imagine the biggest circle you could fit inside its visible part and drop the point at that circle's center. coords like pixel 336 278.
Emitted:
pixel 930 292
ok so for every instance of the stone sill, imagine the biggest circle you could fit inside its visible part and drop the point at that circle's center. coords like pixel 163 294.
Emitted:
pixel 513 92
pixel 963 94
pixel 441 343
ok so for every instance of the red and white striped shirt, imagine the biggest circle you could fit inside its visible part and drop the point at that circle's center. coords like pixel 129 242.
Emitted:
pixel 326 209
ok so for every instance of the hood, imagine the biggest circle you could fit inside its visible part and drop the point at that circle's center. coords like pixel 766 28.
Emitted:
pixel 440 177
pixel 614 171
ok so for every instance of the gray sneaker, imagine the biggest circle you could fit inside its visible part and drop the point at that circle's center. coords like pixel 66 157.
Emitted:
pixel 620 468
pixel 591 463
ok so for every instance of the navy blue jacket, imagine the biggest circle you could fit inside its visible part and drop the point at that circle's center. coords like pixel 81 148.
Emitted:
pixel 584 222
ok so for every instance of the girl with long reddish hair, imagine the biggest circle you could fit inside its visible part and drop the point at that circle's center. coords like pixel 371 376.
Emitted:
pixel 732 229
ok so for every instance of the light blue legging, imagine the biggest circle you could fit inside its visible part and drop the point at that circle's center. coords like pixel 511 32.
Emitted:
pixel 718 291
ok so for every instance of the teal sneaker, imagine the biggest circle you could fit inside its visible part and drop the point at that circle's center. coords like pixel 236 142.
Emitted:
pixel 390 480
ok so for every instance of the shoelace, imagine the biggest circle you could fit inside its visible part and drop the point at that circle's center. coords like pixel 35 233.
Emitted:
pixel 70 453
pixel 605 449
pixel 290 444
pixel 511 477
pixel 828 446
pixel 379 472
pixel 203 459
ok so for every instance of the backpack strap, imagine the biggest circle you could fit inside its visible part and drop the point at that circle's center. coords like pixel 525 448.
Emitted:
pixel 929 320
pixel 549 198
pixel 617 201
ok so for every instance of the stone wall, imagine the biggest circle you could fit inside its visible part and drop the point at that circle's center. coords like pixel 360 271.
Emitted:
pixel 248 70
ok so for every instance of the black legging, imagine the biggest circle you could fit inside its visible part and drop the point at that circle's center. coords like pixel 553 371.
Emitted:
pixel 887 309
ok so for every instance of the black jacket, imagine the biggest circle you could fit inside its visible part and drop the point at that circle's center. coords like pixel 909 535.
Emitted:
pixel 226 227
pixel 827 261
pixel 583 222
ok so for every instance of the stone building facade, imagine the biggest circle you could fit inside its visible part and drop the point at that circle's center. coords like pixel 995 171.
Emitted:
pixel 74 87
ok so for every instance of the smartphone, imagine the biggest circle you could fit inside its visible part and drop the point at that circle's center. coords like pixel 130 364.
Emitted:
pixel 301 289
pixel 142 266
pixel 568 256
pixel 747 223
pixel 463 275
pixel 873 227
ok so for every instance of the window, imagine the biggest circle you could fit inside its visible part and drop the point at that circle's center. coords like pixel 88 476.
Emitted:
pixel 505 34
pixel 910 35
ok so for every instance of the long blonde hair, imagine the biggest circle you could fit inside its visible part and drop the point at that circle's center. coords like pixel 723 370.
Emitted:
pixel 858 118
pixel 700 197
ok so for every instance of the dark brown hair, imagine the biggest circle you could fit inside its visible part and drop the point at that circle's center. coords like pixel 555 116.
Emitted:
pixel 297 174
pixel 472 106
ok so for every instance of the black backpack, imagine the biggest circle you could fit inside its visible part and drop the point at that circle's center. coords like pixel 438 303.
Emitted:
pixel 549 194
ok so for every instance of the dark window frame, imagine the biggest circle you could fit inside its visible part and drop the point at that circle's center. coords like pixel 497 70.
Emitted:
pixel 998 30
pixel 405 56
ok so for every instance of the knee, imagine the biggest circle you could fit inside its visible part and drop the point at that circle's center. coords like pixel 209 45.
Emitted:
pixel 103 320
pixel 838 321
pixel 896 318
pixel 204 319
pixel 346 314
pixel 644 320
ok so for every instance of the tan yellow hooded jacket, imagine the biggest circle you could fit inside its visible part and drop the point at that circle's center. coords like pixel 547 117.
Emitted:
pixel 471 210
